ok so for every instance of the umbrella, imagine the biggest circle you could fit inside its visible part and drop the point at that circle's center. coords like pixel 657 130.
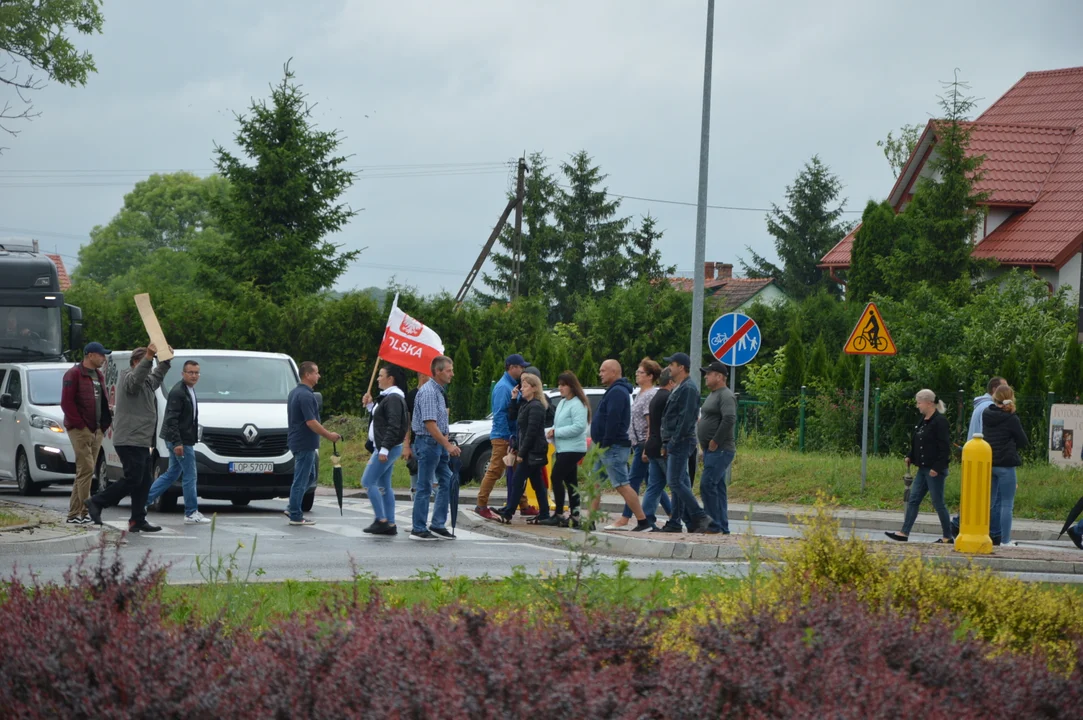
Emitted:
pixel 1072 516
pixel 456 466
pixel 336 463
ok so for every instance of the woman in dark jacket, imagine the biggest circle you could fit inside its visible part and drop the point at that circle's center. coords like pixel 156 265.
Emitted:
pixel 930 450
pixel 533 451
pixel 386 434
pixel 1004 433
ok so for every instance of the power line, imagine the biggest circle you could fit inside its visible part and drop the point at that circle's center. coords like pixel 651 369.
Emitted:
pixel 684 203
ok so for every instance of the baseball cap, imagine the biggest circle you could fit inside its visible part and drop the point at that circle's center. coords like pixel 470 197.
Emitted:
pixel 96 347
pixel 680 358
pixel 714 366
pixel 516 360
pixel 532 371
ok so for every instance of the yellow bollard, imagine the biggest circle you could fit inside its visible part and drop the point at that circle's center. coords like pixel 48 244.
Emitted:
pixel 976 496
pixel 531 497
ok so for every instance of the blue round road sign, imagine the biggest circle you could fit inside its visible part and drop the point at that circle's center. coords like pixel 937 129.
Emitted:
pixel 734 339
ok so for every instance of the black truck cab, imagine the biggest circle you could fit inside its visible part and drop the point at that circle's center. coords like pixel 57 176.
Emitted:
pixel 32 306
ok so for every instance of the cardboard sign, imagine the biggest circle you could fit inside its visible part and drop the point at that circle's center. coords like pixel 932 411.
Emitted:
pixel 154 330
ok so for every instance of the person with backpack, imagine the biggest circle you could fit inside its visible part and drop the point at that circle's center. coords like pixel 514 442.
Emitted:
pixel 387 431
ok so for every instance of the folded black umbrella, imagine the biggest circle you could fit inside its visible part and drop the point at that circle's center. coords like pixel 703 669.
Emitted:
pixel 1072 516
pixel 456 465
pixel 336 474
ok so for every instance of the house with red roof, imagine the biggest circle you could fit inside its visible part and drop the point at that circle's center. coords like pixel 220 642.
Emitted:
pixel 1032 140
pixel 729 293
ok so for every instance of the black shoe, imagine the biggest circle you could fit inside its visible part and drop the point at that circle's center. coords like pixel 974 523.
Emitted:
pixel 424 535
pixel 554 521
pixel 704 527
pixel 897 537
pixel 996 540
pixel 385 528
pixel 442 533
pixel 667 528
pixel 142 527
pixel 1076 537
pixel 376 524
pixel 644 526
pixel 94 510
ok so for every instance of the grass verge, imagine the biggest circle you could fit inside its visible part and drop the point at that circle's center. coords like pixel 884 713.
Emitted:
pixel 8 519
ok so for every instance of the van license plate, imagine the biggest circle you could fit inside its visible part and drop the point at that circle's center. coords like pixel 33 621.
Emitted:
pixel 252 468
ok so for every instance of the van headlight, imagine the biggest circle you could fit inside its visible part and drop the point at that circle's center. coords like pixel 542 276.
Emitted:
pixel 43 423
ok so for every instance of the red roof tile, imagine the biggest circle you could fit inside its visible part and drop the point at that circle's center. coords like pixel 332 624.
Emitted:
pixel 1032 138
pixel 732 292
pixel 61 271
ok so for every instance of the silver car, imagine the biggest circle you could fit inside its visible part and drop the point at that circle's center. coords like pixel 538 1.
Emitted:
pixel 35 450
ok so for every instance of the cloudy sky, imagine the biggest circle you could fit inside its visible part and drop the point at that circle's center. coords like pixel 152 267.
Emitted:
pixel 436 99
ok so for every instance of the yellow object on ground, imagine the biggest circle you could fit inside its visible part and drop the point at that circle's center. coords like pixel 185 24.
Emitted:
pixel 976 495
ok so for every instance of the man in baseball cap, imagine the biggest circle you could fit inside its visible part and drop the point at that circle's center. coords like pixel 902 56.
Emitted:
pixel 679 438
pixel 86 418
pixel 681 359
pixel 718 419
pixel 502 432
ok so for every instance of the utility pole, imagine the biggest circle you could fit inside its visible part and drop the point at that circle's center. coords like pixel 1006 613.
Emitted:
pixel 520 193
pixel 515 202
pixel 696 350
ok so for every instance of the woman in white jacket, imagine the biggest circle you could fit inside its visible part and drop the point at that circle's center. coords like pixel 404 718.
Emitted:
pixel 569 435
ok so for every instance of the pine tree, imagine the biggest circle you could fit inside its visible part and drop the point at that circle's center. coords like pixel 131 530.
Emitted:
pixel 560 363
pixel 490 370
pixel 793 376
pixel 461 390
pixel 817 367
pixel 878 237
pixel 588 370
pixel 804 232
pixel 1009 370
pixel 645 260
pixel 1071 373
pixel 1034 384
pixel 542 356
pixel 847 372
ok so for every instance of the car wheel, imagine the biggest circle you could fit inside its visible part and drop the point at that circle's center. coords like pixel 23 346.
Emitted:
pixel 27 486
pixel 482 463
pixel 308 501
pixel 98 481
pixel 240 502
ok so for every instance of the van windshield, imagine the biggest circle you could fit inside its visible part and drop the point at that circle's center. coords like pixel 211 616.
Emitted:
pixel 45 385
pixel 238 379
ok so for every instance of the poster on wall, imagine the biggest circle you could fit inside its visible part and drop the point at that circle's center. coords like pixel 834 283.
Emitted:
pixel 1065 425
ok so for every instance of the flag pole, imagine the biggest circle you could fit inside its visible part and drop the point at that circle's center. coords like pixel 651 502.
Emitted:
pixel 376 367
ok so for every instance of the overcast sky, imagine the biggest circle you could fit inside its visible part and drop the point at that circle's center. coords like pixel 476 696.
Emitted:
pixel 422 90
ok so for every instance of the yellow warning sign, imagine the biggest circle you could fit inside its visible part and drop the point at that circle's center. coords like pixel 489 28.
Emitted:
pixel 870 336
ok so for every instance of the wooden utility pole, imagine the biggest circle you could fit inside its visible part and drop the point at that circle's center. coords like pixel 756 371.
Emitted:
pixel 520 193
pixel 516 203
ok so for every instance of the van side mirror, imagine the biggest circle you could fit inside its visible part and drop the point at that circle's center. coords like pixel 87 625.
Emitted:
pixel 75 327
pixel 7 402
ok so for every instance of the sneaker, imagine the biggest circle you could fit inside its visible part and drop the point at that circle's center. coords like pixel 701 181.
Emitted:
pixel 94 510
pixel 1072 533
pixel 376 525
pixel 485 512
pixel 196 518
pixel 303 522
pixel 386 529
pixel 442 533
pixel 554 521
pixel 668 528
pixel 644 526
pixel 77 521
pixel 528 511
pixel 423 535
pixel 703 527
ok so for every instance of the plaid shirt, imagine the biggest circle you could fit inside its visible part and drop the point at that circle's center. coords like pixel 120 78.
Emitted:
pixel 430 404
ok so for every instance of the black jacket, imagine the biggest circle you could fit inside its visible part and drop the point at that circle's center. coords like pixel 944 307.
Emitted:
pixel 1004 433
pixel 930 445
pixel 516 405
pixel 181 424
pixel 389 422
pixel 609 426
pixel 657 408
pixel 533 447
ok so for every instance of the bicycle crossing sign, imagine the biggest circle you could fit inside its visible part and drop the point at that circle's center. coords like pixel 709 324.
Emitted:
pixel 870 335
pixel 734 339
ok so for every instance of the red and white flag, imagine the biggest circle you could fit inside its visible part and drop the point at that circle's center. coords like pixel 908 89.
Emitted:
pixel 408 343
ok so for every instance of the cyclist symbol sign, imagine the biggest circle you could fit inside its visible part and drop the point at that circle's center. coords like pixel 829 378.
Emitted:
pixel 734 339
pixel 870 335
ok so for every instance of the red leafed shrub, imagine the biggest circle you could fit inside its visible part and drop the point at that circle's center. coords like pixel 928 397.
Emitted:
pixel 100 646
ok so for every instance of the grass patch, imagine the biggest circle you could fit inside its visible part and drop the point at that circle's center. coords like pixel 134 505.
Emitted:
pixel 1044 492
pixel 8 519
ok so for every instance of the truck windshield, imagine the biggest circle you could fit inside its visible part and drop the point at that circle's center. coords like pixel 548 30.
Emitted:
pixel 238 379
pixel 29 332
pixel 45 385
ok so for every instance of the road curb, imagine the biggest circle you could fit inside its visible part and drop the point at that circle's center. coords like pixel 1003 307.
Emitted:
pixel 75 542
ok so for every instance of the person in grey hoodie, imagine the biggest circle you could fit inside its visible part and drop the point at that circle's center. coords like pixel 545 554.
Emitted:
pixel 981 402
pixel 134 420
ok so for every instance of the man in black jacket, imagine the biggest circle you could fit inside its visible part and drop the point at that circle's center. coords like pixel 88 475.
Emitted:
pixel 180 430
pixel 679 439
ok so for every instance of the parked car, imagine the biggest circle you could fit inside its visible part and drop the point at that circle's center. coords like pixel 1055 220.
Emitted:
pixel 35 450
pixel 472 436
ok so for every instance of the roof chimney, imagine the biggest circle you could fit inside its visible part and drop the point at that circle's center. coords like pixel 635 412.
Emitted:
pixel 725 271
pixel 708 271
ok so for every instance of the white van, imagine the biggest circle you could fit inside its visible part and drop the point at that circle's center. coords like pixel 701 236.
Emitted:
pixel 35 450
pixel 241 454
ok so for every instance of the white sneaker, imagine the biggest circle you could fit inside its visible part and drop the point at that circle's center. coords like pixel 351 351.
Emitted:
pixel 196 518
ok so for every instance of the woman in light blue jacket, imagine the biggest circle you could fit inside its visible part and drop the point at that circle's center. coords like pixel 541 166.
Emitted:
pixel 569 434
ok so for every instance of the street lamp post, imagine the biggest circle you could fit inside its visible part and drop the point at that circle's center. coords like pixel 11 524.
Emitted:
pixel 696 349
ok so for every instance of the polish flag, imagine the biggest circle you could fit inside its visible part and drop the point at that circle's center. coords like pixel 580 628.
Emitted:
pixel 408 343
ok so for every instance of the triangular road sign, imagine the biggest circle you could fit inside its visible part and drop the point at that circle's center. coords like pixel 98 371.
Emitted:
pixel 870 336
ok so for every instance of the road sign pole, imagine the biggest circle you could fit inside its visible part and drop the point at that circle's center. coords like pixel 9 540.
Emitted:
pixel 865 430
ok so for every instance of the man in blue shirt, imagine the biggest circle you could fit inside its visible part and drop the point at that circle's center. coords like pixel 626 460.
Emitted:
pixel 500 435
pixel 433 450
pixel 303 437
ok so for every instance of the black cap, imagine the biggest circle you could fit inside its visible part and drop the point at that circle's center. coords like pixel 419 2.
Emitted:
pixel 96 347
pixel 714 366
pixel 681 359
pixel 515 360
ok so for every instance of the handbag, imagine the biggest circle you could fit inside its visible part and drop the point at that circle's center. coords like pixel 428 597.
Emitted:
pixel 908 480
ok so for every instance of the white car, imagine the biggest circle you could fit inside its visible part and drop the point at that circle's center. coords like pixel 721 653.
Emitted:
pixel 35 449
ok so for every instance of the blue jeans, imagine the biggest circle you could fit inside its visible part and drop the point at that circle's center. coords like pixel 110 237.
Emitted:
pixel 934 486
pixel 678 453
pixel 613 464
pixel 432 468
pixel 185 468
pixel 304 464
pixel 641 471
pixel 656 489
pixel 712 487
pixel 1001 513
pixel 377 480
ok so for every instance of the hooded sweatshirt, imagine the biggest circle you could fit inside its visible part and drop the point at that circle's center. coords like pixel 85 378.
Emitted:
pixel 980 403
pixel 1005 436
pixel 614 415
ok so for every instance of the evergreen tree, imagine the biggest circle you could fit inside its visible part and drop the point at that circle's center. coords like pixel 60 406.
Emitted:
pixel 280 209
pixel 588 370
pixel 1034 384
pixel 461 390
pixel 804 232
pixel 847 372
pixel 817 367
pixel 560 363
pixel 1031 406
pixel 793 377
pixel 538 244
pixel 1009 370
pixel 593 239
pixel 644 257
pixel 1071 373
pixel 542 356
pixel 876 239
pixel 490 370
